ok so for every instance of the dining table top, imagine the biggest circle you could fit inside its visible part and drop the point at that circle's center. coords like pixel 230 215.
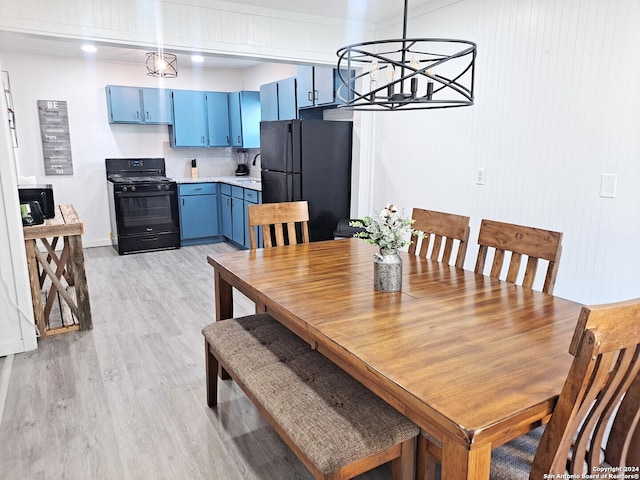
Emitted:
pixel 473 360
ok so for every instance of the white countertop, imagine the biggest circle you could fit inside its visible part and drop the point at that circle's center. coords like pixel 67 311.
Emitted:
pixel 253 183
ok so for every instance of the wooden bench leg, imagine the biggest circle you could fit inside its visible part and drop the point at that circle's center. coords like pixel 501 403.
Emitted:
pixel 425 462
pixel 211 366
pixel 402 468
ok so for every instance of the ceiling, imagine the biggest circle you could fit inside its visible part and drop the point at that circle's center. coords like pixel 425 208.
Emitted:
pixel 370 11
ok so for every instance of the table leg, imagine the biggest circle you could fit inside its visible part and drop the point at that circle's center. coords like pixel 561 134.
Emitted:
pixel 36 292
pixel 224 297
pixel 76 268
pixel 459 462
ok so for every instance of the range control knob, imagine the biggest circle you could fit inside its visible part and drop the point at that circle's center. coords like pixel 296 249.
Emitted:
pixel 124 189
pixel 133 189
pixel 159 187
pixel 166 187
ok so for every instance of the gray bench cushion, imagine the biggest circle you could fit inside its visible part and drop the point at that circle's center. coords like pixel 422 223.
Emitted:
pixel 330 416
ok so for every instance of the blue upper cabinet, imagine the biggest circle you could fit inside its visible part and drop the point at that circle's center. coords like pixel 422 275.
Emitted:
pixel 138 105
pixel 218 119
pixel 318 86
pixel 278 100
pixel 269 101
pixel 156 103
pixel 189 119
pixel 287 104
pixel 201 119
pixel 315 86
pixel 244 119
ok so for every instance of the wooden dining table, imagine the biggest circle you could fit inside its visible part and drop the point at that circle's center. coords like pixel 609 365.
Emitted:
pixel 474 361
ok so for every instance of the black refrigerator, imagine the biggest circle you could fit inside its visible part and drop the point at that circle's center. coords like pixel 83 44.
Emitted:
pixel 309 160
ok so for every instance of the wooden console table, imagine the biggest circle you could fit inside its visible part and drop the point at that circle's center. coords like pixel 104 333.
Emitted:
pixel 68 266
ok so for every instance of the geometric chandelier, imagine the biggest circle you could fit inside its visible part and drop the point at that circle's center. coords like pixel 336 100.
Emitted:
pixel 406 73
pixel 160 64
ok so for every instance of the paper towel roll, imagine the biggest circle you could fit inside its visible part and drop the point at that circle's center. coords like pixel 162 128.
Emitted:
pixel 27 180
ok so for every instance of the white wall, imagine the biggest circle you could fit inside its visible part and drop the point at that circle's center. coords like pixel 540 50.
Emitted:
pixel 557 105
pixel 82 85
pixel 17 333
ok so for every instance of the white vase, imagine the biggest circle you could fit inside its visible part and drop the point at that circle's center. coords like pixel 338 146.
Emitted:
pixel 387 270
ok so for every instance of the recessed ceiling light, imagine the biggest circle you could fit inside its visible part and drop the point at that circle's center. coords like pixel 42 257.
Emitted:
pixel 89 48
pixel 197 58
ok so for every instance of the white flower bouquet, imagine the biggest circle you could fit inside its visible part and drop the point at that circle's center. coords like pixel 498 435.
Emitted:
pixel 388 230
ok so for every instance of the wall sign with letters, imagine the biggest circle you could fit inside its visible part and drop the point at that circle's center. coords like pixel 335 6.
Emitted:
pixel 56 144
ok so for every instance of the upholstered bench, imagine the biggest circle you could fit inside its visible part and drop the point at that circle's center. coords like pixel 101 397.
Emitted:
pixel 334 425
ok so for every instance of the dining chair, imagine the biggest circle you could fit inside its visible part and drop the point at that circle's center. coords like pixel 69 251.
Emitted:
pixel 595 422
pixel 278 221
pixel 440 232
pixel 534 243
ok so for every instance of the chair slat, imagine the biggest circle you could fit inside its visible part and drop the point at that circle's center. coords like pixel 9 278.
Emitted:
pixel 514 268
pixel 279 234
pixel 437 244
pixel 291 233
pixel 498 261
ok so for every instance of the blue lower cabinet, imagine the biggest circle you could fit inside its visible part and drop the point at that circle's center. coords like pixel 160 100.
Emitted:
pixel 233 212
pixel 237 215
pixel 251 197
pixel 199 219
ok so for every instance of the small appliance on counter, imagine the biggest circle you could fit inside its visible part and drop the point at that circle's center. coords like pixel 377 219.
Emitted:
pixel 43 194
pixel 242 169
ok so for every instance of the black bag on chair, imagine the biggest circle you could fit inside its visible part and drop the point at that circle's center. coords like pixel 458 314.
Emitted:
pixel 31 214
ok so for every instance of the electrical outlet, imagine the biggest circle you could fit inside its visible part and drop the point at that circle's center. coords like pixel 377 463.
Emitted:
pixel 481 176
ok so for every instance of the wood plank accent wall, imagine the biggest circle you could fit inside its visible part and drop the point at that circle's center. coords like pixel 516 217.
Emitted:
pixel 214 26
pixel 557 106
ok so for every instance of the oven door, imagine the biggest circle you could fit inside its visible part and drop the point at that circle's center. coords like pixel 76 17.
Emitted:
pixel 147 212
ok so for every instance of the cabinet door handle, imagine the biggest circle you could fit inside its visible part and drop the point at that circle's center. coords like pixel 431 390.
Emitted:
pixel 202 139
pixel 310 96
pixel 137 115
pixel 239 139
pixel 315 94
pixel 147 115
pixel 183 201
pixel 197 189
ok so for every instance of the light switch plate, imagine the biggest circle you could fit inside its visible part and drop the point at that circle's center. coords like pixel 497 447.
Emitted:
pixel 481 176
pixel 608 185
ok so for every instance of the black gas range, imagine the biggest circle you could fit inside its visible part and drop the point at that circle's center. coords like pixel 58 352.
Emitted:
pixel 143 205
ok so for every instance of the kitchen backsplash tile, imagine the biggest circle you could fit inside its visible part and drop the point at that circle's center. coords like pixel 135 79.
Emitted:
pixel 211 162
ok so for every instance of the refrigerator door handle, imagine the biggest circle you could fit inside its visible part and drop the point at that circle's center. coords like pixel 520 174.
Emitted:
pixel 288 148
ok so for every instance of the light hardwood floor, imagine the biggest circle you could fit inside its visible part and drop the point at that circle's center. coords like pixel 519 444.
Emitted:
pixel 126 400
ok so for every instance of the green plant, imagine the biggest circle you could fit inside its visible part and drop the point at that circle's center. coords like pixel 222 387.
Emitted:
pixel 388 229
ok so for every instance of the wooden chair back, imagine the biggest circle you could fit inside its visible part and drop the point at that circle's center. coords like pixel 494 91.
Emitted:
pixel 534 243
pixel 278 222
pixel 441 232
pixel 606 369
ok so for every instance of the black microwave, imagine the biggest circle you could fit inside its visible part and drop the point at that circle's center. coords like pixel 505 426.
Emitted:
pixel 43 194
